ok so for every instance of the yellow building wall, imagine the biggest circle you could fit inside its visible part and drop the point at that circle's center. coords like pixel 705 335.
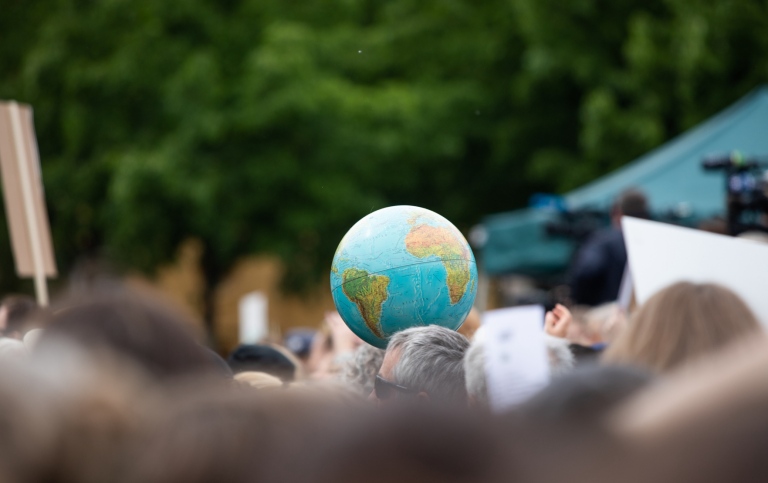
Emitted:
pixel 183 285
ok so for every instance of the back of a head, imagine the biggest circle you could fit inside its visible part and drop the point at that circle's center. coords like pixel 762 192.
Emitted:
pixel 474 372
pixel 200 434
pixel 418 446
pixel 258 380
pixel 139 328
pixel 262 358
pixel 680 323
pixel 431 360
pixel 360 371
pixel 585 395
pixel 18 309
pixel 633 202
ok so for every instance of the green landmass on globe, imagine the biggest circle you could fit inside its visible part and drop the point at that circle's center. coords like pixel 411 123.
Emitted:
pixel 425 241
pixel 368 292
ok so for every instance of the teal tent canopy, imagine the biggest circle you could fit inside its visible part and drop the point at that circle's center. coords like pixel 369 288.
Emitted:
pixel 671 176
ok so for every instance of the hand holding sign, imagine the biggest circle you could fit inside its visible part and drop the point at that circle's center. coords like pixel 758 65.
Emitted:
pixel 557 321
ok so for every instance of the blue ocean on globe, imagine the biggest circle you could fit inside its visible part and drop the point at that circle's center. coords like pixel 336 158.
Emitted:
pixel 402 267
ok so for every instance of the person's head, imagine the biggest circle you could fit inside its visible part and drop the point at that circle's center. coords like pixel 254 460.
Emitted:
pixel 585 395
pixel 14 313
pixel 714 225
pixel 595 325
pixel 134 326
pixel 680 323
pixel 561 359
pixel 631 202
pixel 360 371
pixel 425 363
pixel 200 435
pixel 263 358
pixel 474 372
pixel 299 342
pixel 12 348
pixel 756 236
pixel 258 380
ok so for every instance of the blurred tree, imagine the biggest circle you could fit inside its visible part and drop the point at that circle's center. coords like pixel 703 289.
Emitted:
pixel 645 71
pixel 268 125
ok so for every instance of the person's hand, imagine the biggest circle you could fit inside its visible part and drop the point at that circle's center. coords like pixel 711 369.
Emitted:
pixel 557 321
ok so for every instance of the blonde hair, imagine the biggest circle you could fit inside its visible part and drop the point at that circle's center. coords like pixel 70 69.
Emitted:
pixel 680 323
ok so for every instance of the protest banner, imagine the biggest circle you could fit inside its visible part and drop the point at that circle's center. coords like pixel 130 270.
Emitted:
pixel 661 254
pixel 24 199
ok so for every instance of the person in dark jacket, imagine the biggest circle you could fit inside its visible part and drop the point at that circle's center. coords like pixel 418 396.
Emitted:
pixel 599 265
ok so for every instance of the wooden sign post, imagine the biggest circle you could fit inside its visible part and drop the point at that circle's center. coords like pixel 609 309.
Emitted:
pixel 24 199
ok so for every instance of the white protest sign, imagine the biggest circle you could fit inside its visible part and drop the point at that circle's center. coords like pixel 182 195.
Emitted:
pixel 516 361
pixel 626 289
pixel 254 324
pixel 662 254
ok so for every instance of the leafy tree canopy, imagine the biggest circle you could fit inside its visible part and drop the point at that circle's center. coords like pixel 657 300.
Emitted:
pixel 273 125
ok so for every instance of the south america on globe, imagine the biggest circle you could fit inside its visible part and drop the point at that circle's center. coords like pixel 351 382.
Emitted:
pixel 402 267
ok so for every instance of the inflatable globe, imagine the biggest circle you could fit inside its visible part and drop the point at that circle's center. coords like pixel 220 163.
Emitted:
pixel 402 267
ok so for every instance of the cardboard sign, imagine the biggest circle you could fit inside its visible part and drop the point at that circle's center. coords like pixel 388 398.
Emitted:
pixel 662 254
pixel 24 200
pixel 516 361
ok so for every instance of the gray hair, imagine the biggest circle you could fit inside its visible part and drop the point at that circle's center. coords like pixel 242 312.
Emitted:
pixel 561 358
pixel 474 371
pixel 561 361
pixel 431 360
pixel 360 371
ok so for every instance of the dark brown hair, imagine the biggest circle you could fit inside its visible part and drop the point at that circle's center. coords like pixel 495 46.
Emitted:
pixel 134 326
pixel 18 308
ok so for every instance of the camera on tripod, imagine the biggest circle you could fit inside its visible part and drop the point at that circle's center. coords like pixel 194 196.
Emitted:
pixel 746 184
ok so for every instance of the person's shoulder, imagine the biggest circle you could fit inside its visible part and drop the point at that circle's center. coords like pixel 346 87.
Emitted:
pixel 606 236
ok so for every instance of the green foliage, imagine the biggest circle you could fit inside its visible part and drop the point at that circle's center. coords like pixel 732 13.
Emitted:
pixel 267 125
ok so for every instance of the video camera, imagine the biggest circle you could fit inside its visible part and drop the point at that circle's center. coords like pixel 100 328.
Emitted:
pixel 746 184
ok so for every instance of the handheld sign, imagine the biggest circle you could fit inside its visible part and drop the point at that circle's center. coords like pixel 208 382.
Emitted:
pixel 626 291
pixel 254 325
pixel 516 363
pixel 662 254
pixel 23 195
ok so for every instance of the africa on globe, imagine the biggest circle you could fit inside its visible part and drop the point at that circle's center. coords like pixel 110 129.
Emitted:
pixel 402 267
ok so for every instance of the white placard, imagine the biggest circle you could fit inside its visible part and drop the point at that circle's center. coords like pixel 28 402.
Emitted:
pixel 254 324
pixel 516 361
pixel 662 254
pixel 626 289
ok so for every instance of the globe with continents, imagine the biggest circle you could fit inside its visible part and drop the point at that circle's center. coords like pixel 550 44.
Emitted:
pixel 401 267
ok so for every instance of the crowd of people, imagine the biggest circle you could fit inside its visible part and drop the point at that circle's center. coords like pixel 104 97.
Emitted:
pixel 113 385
